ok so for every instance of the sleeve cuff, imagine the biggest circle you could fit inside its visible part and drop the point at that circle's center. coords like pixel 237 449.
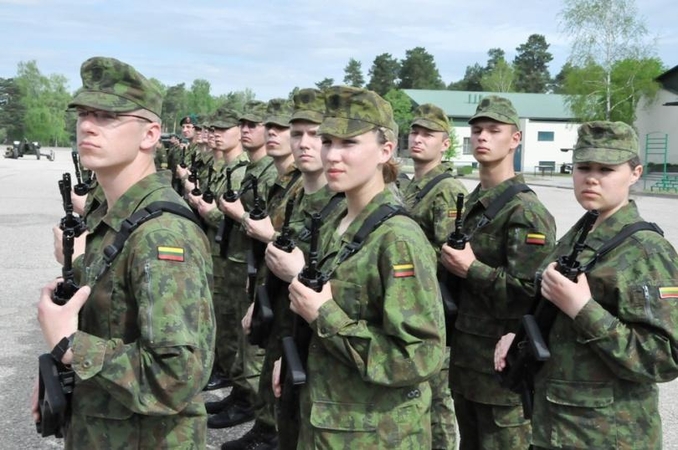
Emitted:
pixel 331 319
pixel 593 322
pixel 478 272
pixel 214 218
pixel 89 353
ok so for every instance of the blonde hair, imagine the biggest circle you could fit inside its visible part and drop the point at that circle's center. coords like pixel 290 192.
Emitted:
pixel 391 167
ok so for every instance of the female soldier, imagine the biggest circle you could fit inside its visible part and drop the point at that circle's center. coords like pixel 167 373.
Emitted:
pixel 378 327
pixel 616 333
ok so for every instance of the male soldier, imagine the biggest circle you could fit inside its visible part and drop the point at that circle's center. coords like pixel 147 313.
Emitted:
pixel 238 406
pixel 228 154
pixel 180 152
pixel 497 269
pixel 140 345
pixel 430 199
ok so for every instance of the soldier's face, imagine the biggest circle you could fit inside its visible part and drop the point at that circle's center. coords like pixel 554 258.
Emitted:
pixel 354 164
pixel 306 146
pixel 252 135
pixel 493 141
pixel 604 187
pixel 277 141
pixel 199 137
pixel 188 130
pixel 226 139
pixel 427 145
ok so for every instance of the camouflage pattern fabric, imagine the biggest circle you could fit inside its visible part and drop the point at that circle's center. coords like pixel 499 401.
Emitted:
pixel 278 112
pixel 144 348
pixel 435 214
pixel 255 112
pixel 376 343
pixel 224 119
pixel 112 85
pixel 431 117
pixel 605 143
pixel 308 105
pixel 350 112
pixel 498 291
pixel 496 108
pixel 623 341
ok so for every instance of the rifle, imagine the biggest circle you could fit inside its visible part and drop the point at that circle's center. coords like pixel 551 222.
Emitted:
pixel 448 282
pixel 226 225
pixel 208 195
pixel 193 176
pixel 66 289
pixel 262 315
pixel 80 188
pixel 258 212
pixel 529 349
pixel 295 347
pixel 70 220
pixel 182 162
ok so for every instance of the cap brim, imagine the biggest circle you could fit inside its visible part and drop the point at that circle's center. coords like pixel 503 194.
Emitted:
pixel 344 128
pixel 428 124
pixel 494 116
pixel 601 155
pixel 281 121
pixel 223 125
pixel 250 118
pixel 104 102
pixel 309 116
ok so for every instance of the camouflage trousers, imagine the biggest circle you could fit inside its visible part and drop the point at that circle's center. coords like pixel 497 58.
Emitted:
pixel 224 298
pixel 491 427
pixel 443 421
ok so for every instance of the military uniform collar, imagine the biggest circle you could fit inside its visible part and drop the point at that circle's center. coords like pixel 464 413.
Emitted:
pixel 486 197
pixel 626 215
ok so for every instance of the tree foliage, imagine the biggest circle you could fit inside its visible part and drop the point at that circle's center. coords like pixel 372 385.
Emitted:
pixel 531 65
pixel 402 109
pixel 500 78
pixel 353 74
pixel 383 74
pixel 325 83
pixel 12 110
pixel 419 71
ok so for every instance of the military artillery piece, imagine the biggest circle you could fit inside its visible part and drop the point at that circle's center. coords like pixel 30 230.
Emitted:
pixel 20 148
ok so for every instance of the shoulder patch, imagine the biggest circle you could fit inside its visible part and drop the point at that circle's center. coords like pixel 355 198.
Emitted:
pixel 403 270
pixel 452 213
pixel 535 238
pixel 171 253
pixel 668 292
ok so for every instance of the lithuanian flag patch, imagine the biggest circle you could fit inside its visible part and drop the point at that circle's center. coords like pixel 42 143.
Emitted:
pixel 403 270
pixel 668 292
pixel 452 213
pixel 535 239
pixel 171 253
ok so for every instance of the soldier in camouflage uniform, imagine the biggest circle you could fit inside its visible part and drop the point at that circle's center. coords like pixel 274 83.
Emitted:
pixel 378 326
pixel 238 406
pixel 496 269
pixel 435 213
pixel 180 152
pixel 616 334
pixel 141 334
pixel 228 154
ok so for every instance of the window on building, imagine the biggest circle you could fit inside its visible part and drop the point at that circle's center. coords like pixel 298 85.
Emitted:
pixel 545 136
pixel 466 148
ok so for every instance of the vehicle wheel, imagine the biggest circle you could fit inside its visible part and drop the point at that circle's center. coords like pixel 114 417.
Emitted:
pixel 15 153
pixel 37 154
pixel 51 155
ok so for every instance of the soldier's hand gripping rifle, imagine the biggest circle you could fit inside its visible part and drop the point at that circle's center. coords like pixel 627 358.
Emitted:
pixel 529 349
pixel 208 195
pixel 262 314
pixel 258 212
pixel 193 176
pixel 80 188
pixel 449 283
pixel 295 347
pixel 226 225
pixel 70 220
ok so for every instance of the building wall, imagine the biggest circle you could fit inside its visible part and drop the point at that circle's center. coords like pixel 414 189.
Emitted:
pixel 654 117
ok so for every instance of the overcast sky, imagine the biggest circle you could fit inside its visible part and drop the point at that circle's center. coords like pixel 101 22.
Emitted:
pixel 272 46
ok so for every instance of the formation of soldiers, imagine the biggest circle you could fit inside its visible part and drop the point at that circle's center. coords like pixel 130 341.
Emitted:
pixel 353 308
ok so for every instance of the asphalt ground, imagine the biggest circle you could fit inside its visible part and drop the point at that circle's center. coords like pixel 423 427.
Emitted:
pixel 31 204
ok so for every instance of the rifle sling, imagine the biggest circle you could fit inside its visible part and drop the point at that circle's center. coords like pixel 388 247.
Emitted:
pixel 500 201
pixel 430 185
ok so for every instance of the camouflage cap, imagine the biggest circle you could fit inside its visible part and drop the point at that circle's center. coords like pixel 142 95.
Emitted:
pixel 309 105
pixel 112 85
pixel 351 111
pixel 190 119
pixel 431 117
pixel 224 118
pixel 497 108
pixel 255 111
pixel 605 142
pixel 278 112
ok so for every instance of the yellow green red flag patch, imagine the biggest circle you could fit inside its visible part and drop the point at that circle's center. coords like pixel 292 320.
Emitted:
pixel 403 270
pixel 668 292
pixel 535 238
pixel 171 253
pixel 452 213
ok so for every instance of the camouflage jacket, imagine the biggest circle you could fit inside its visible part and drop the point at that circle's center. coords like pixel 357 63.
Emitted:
pixel 598 389
pixel 376 342
pixel 436 212
pixel 145 340
pixel 499 287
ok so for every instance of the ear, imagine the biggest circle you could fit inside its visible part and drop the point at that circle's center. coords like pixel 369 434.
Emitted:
pixel 386 152
pixel 636 173
pixel 150 136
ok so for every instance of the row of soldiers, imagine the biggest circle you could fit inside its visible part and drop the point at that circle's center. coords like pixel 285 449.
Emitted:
pixel 310 235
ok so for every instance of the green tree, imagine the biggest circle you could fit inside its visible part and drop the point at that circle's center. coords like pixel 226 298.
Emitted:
pixel 455 145
pixel 353 74
pixel 604 33
pixel 531 65
pixel 174 106
pixel 200 100
pixel 402 109
pixel 383 74
pixel 236 100
pixel 419 71
pixel 325 83
pixel 558 82
pixel 499 78
pixel 12 110
pixel 471 81
pixel 495 55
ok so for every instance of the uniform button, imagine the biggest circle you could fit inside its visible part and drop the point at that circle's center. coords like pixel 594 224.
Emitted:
pixel 323 330
pixel 414 393
pixel 87 364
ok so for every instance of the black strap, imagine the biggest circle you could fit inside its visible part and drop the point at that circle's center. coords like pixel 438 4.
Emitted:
pixel 501 201
pixel 613 243
pixel 140 217
pixel 430 185
pixel 305 233
pixel 295 176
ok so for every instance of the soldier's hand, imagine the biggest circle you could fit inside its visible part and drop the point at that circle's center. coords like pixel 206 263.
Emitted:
pixel 457 262
pixel 305 301
pixel 181 172
pixel 275 378
pixel 78 202
pixel 568 296
pixel 205 208
pixel 501 350
pixel 234 210
pixel 193 200
pixel 285 266
pixel 188 186
pixel 246 321
pixel 60 321
pixel 35 406
pixel 261 230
